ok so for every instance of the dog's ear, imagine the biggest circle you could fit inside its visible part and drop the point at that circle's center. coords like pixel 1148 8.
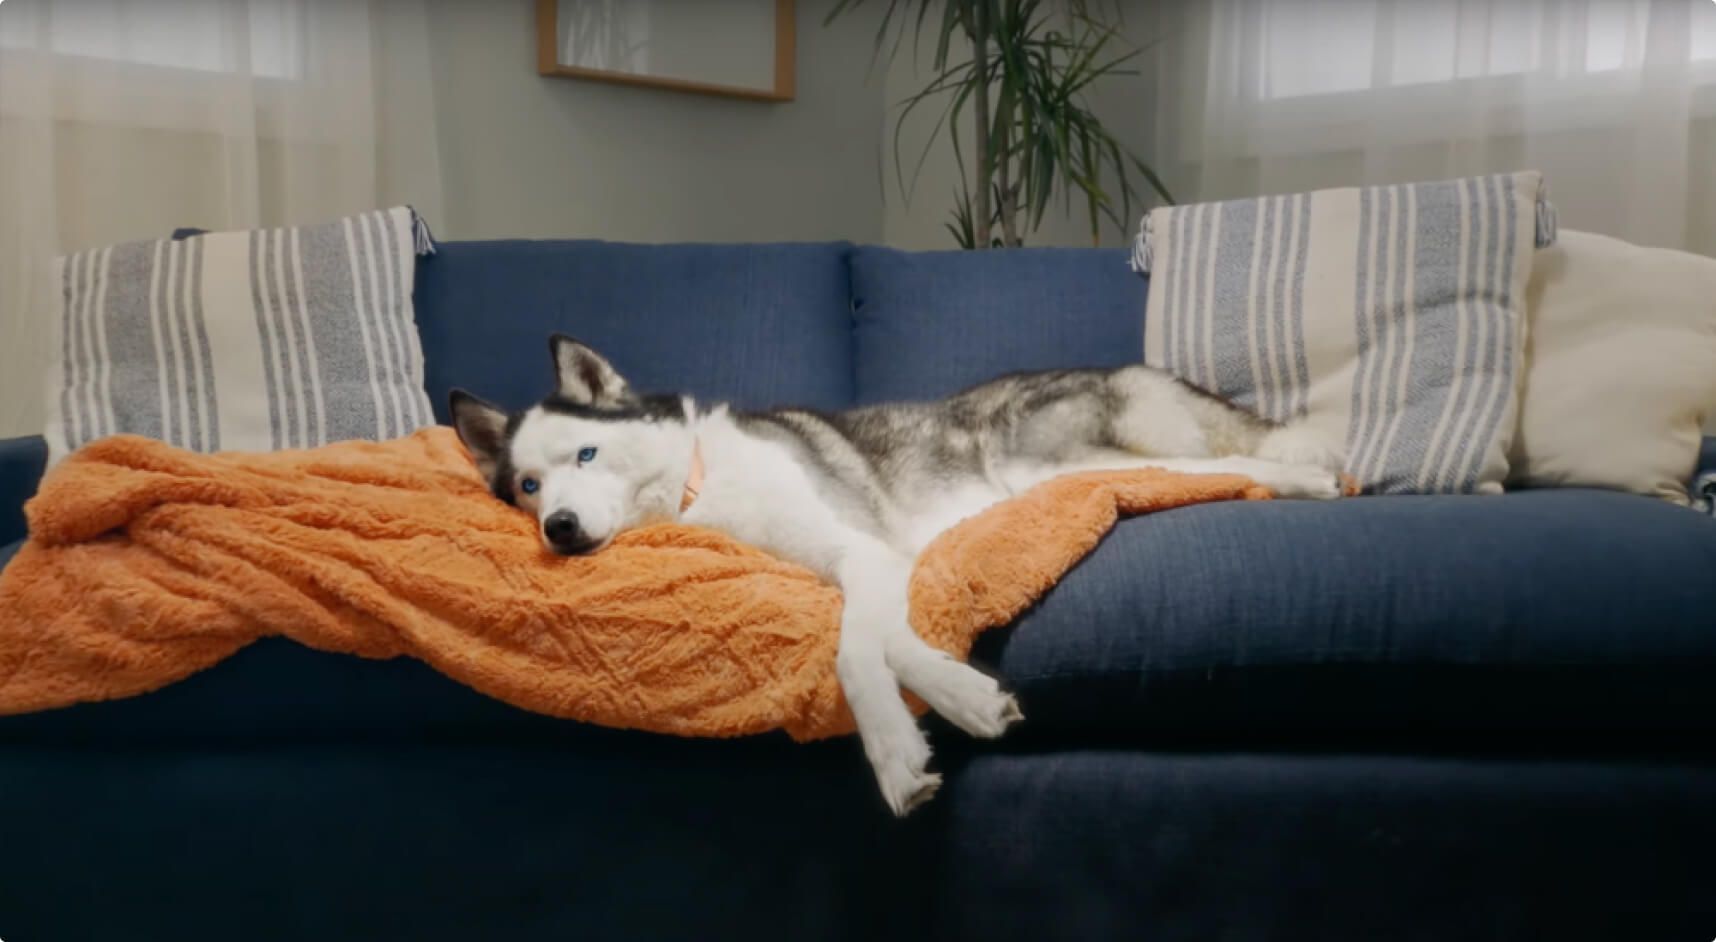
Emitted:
pixel 584 376
pixel 482 427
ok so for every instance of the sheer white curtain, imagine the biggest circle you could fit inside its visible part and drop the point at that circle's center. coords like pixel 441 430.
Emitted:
pixel 1615 100
pixel 124 120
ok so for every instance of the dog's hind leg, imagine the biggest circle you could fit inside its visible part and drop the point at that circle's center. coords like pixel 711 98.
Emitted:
pixel 1302 481
pixel 1155 416
pixel 1299 443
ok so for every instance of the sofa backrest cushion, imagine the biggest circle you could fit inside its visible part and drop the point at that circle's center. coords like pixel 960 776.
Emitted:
pixel 932 323
pixel 760 324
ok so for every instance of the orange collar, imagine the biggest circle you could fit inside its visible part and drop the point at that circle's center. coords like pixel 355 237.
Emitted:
pixel 693 477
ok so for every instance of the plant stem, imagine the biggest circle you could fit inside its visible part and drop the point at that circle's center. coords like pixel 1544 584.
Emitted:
pixel 980 104
pixel 1009 208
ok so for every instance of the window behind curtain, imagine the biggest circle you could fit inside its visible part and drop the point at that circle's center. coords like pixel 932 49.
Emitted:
pixel 1322 47
pixel 264 38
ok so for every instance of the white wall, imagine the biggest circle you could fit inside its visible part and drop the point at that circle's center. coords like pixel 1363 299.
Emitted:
pixel 524 155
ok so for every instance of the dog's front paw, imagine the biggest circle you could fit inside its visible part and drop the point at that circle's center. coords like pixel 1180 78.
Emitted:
pixel 900 761
pixel 972 701
pixel 905 788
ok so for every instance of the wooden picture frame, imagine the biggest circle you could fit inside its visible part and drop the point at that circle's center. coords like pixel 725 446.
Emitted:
pixel 785 60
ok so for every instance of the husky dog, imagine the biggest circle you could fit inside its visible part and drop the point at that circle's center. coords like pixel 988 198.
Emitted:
pixel 856 495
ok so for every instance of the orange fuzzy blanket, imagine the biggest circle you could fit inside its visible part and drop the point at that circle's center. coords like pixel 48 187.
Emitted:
pixel 147 564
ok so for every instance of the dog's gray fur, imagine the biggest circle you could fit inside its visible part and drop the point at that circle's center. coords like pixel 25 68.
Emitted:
pixel 868 458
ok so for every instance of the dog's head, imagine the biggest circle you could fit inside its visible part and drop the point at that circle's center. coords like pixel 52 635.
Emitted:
pixel 590 461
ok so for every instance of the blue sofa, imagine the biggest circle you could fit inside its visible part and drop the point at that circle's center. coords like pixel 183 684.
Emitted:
pixel 1403 718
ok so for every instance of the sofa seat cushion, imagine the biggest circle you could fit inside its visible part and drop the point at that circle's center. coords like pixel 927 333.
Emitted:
pixel 1576 612
pixel 1569 610
pixel 763 325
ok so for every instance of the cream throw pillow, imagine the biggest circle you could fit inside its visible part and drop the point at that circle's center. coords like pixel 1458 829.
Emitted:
pixel 1620 367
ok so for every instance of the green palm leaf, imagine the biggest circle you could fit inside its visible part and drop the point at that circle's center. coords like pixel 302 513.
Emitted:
pixel 1039 137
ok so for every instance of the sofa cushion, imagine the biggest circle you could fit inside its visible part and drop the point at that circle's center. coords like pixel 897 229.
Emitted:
pixel 279 338
pixel 759 324
pixel 22 461
pixel 623 837
pixel 1307 845
pixel 1566 610
pixel 931 323
pixel 1621 367
pixel 1580 613
pixel 1405 349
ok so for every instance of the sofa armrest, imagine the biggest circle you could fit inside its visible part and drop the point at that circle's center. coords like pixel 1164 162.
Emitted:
pixel 22 461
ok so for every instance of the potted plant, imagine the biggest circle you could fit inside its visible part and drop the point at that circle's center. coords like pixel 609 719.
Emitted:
pixel 1034 134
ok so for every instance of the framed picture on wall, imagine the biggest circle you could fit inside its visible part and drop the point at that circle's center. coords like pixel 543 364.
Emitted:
pixel 733 48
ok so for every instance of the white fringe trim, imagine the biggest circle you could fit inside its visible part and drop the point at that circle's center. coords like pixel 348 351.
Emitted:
pixel 1144 247
pixel 423 241
pixel 1546 221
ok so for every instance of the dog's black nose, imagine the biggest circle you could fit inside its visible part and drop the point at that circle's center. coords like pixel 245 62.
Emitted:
pixel 562 531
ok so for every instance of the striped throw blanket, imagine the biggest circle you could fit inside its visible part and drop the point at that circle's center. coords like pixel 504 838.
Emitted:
pixel 1392 317
pixel 243 341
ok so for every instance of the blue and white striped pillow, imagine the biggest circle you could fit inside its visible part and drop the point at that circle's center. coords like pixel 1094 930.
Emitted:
pixel 1391 317
pixel 243 341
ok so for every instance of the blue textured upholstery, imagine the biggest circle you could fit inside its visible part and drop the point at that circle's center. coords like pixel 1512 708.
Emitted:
pixel 21 464
pixel 1405 613
pixel 628 838
pixel 931 323
pixel 1210 843
pixel 759 324
pixel 621 836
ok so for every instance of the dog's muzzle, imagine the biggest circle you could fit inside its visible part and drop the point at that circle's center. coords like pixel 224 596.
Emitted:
pixel 563 534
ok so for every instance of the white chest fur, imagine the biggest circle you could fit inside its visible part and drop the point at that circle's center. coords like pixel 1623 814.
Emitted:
pixel 757 492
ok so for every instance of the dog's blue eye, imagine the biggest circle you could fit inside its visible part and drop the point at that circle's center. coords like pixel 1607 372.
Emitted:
pixel 528 485
pixel 587 454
